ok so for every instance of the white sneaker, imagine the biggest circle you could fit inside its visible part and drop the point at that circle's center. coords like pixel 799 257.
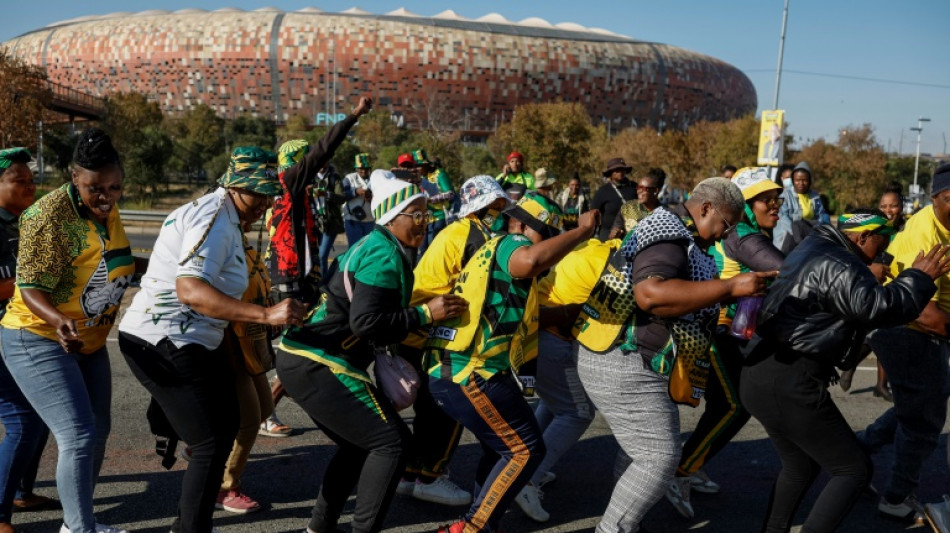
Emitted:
pixel 100 528
pixel 678 494
pixel 405 487
pixel 939 515
pixel 529 499
pixel 700 482
pixel 908 510
pixel 547 477
pixel 441 491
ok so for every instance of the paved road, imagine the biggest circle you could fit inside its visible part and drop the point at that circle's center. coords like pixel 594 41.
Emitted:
pixel 136 493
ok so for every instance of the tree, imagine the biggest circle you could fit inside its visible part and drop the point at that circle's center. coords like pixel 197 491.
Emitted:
pixel 559 137
pixel 852 170
pixel 58 146
pixel 135 125
pixel 248 130
pixel 377 132
pixel 198 138
pixel 24 95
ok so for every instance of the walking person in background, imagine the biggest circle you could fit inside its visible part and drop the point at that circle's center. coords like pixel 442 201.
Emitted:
pixel 172 335
pixel 573 202
pixel 747 249
pixel 25 434
pixel 357 214
pixel 364 308
pixel 293 228
pixel 74 265
pixel 813 320
pixel 915 356
pixel 612 194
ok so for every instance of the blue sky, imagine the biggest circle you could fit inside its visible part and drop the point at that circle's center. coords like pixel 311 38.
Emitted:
pixel 880 39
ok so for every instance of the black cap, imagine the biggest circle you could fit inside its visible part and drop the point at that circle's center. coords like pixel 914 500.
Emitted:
pixel 941 180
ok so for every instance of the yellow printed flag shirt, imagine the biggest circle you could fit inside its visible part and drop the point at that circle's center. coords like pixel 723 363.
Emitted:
pixel 503 333
pixel 921 233
pixel 84 266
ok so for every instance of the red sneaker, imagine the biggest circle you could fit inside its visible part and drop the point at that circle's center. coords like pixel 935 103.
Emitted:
pixel 235 501
pixel 456 527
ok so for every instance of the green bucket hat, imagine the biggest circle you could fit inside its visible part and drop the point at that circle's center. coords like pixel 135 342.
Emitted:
pixel 254 169
pixel 361 161
pixel 290 153
pixel 420 157
pixel 8 156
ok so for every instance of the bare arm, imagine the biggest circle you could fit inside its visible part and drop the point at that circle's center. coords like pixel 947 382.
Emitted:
pixel 678 297
pixel 530 261
pixel 6 288
pixel 40 304
pixel 207 300
pixel 934 320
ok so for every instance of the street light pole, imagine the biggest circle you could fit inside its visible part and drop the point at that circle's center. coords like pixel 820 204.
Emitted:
pixel 781 54
pixel 918 129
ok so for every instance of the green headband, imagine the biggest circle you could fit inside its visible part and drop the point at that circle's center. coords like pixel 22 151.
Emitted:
pixel 253 169
pixel 861 222
pixel 9 156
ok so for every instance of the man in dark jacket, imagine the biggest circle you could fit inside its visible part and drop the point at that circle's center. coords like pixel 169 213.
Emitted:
pixel 815 318
pixel 612 194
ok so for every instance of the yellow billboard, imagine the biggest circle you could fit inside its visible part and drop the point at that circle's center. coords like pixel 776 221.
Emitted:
pixel 772 138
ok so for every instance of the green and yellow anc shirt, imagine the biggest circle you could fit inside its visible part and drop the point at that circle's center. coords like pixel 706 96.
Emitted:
pixel 84 266
pixel 499 330
pixel 440 179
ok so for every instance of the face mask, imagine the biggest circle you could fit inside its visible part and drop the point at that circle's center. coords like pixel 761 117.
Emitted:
pixel 787 182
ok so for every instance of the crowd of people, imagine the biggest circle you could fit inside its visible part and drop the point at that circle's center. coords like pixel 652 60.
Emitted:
pixel 463 301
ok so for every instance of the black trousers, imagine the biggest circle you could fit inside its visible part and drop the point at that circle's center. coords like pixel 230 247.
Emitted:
pixel 195 388
pixel 789 396
pixel 435 435
pixel 371 436
pixel 724 414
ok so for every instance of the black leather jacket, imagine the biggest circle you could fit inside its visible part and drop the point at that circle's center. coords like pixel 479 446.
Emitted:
pixel 826 300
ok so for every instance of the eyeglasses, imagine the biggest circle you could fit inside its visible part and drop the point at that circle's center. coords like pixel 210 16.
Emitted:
pixel 419 218
pixel 729 227
pixel 778 201
pixel 641 188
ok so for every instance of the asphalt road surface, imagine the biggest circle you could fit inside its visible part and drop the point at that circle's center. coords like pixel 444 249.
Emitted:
pixel 136 493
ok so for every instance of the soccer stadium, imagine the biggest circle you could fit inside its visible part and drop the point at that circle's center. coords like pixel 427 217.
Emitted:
pixel 442 71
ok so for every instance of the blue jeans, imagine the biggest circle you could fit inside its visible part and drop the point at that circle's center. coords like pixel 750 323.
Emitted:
pixel 356 230
pixel 916 366
pixel 22 446
pixel 326 246
pixel 496 412
pixel 565 410
pixel 72 393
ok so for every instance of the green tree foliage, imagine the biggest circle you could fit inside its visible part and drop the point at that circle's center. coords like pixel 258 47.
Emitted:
pixel 248 130
pixel 380 138
pixel 198 139
pixel 136 128
pixel 559 137
pixel 58 146
pixel 852 169
pixel 901 170
pixel 476 159
pixel 24 94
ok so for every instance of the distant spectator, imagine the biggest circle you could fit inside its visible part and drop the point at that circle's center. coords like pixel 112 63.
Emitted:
pixel 573 202
pixel 802 203
pixel 649 188
pixel 513 172
pixel 784 175
pixel 358 218
pixel 728 171
pixel 438 189
pixel 545 182
pixel 611 195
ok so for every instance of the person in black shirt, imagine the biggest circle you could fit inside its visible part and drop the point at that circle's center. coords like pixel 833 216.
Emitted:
pixel 613 194
pixel 26 434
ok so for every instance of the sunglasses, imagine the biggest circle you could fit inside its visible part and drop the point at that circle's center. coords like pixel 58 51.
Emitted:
pixel 778 201
pixel 729 227
pixel 419 218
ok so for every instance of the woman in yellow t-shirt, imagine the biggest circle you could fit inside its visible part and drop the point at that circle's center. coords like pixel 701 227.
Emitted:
pixel 74 266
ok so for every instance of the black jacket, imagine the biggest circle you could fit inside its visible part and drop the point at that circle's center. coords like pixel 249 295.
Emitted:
pixel 826 300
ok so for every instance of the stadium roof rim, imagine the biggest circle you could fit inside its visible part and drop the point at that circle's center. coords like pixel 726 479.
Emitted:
pixel 564 30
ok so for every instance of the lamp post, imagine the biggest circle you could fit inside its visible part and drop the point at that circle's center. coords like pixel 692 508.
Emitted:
pixel 918 129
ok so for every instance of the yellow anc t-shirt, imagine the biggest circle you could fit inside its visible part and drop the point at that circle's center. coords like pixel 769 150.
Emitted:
pixel 84 267
pixel 808 212
pixel 921 233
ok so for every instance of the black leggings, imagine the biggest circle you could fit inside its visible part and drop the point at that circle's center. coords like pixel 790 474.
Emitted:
pixel 435 435
pixel 195 388
pixel 371 436
pixel 790 398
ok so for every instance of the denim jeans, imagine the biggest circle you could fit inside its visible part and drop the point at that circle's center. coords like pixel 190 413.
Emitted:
pixel 496 412
pixel 72 393
pixel 356 230
pixel 565 410
pixel 916 366
pixel 22 446
pixel 326 246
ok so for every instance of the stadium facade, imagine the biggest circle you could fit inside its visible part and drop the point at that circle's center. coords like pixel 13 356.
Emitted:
pixel 443 71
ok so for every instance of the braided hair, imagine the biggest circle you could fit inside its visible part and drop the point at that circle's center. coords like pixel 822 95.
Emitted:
pixel 94 150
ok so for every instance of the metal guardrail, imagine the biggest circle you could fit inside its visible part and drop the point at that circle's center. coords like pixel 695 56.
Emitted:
pixel 131 215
